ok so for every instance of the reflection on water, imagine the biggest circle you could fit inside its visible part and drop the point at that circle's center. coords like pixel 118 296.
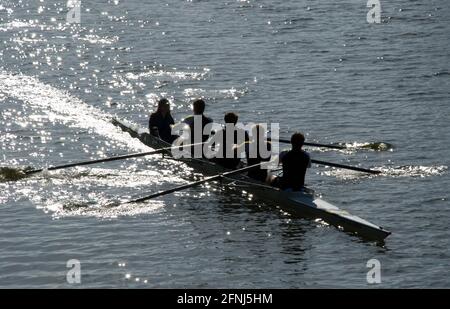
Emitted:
pixel 376 146
pixel 387 171
pixel 317 69
pixel 61 105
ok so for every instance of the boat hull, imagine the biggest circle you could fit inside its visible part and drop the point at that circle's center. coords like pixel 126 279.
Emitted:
pixel 300 204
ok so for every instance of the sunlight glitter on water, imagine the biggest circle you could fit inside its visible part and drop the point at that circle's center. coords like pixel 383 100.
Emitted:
pixel 76 112
pixel 96 39
pixel 91 192
pixel 69 209
pixel 232 93
pixel 389 85
pixel 170 74
pixel 397 171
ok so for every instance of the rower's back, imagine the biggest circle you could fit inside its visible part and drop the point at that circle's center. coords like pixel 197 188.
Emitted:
pixel 259 150
pixel 161 122
pixel 295 163
pixel 190 121
pixel 232 141
pixel 198 109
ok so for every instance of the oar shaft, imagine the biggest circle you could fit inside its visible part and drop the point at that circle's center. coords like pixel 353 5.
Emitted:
pixel 122 157
pixel 325 146
pixel 211 178
pixel 348 167
pixel 193 184
pixel 134 155
pixel 314 144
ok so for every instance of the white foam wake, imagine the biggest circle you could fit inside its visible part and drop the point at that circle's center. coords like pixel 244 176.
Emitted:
pixel 390 171
pixel 66 107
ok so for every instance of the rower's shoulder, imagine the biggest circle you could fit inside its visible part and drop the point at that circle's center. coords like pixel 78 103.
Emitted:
pixel 170 119
pixel 188 119
pixel 154 116
pixel 305 153
pixel 287 153
pixel 192 117
pixel 207 119
pixel 283 154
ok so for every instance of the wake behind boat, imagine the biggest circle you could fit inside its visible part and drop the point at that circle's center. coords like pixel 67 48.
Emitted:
pixel 300 203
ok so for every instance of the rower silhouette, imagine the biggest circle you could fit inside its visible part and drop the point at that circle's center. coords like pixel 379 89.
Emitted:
pixel 161 122
pixel 258 150
pixel 197 123
pixel 232 138
pixel 295 163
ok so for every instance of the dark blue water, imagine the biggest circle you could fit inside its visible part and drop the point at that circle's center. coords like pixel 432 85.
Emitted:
pixel 312 66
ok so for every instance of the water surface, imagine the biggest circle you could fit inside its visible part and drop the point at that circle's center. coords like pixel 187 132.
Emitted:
pixel 316 67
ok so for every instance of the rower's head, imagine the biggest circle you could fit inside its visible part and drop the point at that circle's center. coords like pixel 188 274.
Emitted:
pixel 199 107
pixel 164 106
pixel 297 141
pixel 231 118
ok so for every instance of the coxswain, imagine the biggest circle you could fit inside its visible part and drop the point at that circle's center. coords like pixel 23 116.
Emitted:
pixel 161 122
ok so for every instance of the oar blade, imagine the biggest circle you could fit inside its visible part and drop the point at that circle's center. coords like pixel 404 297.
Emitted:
pixel 11 174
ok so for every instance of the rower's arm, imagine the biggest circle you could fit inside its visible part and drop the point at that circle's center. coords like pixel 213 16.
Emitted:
pixel 152 127
pixel 281 156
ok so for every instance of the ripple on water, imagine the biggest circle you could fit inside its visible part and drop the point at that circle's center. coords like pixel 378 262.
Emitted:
pixel 387 171
pixel 350 148
pixel 232 93
pixel 77 113
pixel 203 242
pixel 96 39
pixel 375 146
pixel 70 208
pixel 97 192
pixel 173 74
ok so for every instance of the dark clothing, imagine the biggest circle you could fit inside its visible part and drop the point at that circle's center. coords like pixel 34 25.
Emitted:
pixel 161 126
pixel 230 163
pixel 295 163
pixel 190 122
pixel 234 161
pixel 258 173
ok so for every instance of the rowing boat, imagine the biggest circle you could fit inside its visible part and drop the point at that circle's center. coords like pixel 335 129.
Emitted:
pixel 304 204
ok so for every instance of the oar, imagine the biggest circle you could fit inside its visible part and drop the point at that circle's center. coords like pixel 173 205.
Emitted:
pixel 226 174
pixel 377 146
pixel 348 167
pixel 133 155
pixel 314 144
pixel 192 184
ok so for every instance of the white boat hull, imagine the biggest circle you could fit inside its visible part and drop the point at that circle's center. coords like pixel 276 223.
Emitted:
pixel 302 204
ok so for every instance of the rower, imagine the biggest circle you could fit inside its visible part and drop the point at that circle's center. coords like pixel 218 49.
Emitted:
pixel 295 162
pixel 257 143
pixel 197 123
pixel 161 122
pixel 229 146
